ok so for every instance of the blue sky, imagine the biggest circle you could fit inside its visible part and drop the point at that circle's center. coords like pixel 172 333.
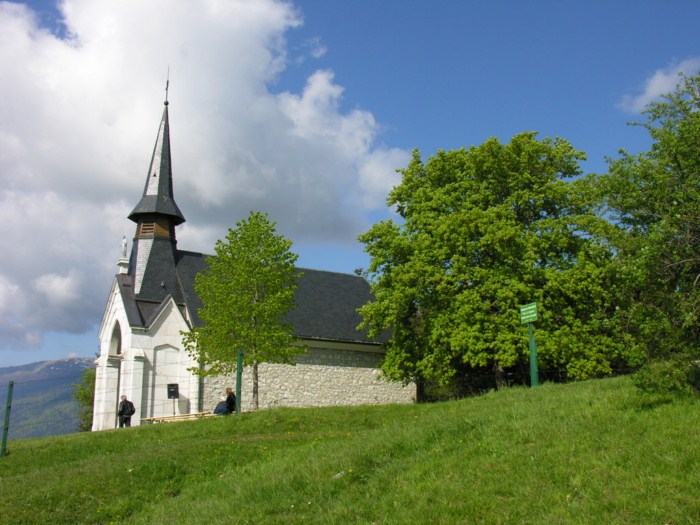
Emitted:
pixel 447 74
pixel 303 110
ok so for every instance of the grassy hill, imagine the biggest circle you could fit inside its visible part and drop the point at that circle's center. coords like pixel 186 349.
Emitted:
pixel 580 453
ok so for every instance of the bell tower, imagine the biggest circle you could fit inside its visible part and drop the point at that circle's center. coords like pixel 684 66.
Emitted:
pixel 154 250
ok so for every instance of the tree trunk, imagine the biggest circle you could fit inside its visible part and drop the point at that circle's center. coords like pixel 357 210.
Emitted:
pixel 255 385
pixel 500 376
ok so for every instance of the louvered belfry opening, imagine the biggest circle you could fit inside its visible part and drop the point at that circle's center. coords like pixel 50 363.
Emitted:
pixel 152 226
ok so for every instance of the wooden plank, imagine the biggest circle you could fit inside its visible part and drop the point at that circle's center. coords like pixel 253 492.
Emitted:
pixel 177 417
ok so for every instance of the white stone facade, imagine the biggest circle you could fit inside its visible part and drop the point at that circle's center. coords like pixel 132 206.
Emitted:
pixel 140 363
pixel 329 374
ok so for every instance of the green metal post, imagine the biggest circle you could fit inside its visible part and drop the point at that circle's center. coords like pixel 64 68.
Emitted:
pixel 239 378
pixel 534 375
pixel 6 426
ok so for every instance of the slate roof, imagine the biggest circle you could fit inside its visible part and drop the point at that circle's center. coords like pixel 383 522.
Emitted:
pixel 326 305
pixel 326 302
pixel 158 192
pixel 160 277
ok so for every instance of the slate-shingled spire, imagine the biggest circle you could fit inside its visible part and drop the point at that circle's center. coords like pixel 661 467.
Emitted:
pixel 154 252
pixel 158 192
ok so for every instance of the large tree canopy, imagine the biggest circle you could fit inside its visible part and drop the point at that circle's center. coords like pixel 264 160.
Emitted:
pixel 485 230
pixel 246 291
pixel 653 199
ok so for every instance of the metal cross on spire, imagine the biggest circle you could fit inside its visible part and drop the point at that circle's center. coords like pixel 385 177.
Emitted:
pixel 167 84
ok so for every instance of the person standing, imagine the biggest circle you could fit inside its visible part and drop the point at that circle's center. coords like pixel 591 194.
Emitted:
pixel 126 410
pixel 230 400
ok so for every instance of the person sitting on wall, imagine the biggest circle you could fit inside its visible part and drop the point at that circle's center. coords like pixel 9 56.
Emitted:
pixel 221 409
pixel 230 400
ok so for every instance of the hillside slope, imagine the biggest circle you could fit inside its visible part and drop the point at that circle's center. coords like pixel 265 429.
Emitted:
pixel 42 399
pixel 583 453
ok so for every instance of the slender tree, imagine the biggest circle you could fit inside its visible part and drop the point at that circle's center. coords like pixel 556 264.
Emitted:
pixel 246 291
pixel 84 394
pixel 485 230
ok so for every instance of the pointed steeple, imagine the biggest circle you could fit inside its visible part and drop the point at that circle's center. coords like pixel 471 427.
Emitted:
pixel 154 251
pixel 158 193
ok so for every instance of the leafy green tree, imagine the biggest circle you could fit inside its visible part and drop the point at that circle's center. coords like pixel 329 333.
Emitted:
pixel 246 291
pixel 653 199
pixel 485 230
pixel 84 394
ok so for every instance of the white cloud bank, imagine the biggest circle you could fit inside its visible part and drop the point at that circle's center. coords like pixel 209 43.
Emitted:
pixel 661 82
pixel 78 120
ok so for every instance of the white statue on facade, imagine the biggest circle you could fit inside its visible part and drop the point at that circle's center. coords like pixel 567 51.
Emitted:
pixel 124 247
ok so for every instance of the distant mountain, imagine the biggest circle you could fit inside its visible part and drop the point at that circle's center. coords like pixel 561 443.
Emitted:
pixel 42 398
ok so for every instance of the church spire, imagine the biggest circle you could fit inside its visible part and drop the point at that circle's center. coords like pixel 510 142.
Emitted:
pixel 154 254
pixel 158 197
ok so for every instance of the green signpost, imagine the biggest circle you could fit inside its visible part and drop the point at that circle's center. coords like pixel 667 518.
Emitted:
pixel 528 315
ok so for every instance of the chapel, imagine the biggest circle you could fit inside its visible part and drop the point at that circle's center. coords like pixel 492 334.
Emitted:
pixel 152 300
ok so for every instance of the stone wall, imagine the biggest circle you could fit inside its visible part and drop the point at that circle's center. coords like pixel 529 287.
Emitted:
pixel 322 377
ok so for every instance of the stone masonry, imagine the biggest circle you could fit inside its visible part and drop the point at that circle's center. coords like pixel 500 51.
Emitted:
pixel 322 377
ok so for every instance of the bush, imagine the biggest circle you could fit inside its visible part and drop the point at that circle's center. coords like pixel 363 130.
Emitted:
pixel 670 378
pixel 694 376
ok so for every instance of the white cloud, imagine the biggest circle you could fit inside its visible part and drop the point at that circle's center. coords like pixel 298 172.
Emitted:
pixel 312 47
pixel 316 48
pixel 58 290
pixel 9 295
pixel 78 120
pixel 378 175
pixel 661 82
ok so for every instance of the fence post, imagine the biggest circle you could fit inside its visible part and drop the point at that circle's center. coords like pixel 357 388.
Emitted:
pixel 534 373
pixel 6 426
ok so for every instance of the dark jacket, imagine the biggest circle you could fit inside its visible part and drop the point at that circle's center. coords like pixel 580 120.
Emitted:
pixel 231 403
pixel 126 408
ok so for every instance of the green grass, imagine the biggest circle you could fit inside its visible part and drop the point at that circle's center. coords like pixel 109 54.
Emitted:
pixel 584 453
